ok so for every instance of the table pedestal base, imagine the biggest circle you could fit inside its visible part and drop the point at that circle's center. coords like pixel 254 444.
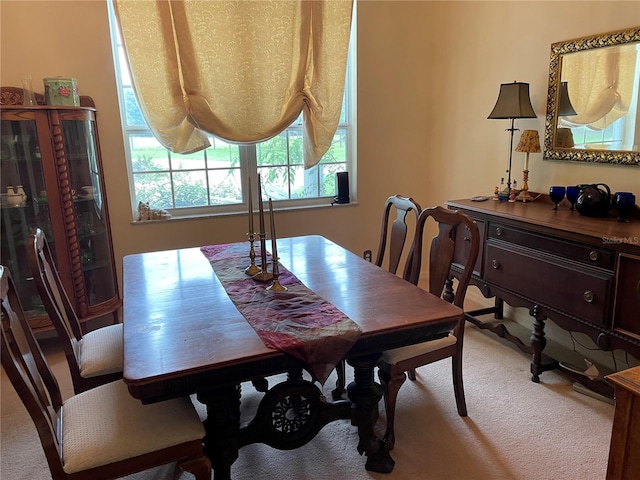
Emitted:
pixel 290 415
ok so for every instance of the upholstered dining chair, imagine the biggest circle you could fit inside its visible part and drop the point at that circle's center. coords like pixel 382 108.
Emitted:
pixel 393 236
pixel 103 433
pixel 443 246
pixel 95 357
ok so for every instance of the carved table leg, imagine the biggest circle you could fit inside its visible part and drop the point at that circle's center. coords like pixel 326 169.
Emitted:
pixel 365 395
pixel 222 426
pixel 538 342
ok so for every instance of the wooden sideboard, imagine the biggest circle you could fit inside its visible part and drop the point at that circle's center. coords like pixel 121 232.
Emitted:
pixel 583 273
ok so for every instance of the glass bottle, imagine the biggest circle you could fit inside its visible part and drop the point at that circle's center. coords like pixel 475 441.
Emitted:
pixel 28 97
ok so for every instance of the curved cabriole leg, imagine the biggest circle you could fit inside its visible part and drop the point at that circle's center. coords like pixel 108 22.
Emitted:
pixel 337 392
pixel 458 386
pixel 391 383
pixel 365 395
pixel 222 427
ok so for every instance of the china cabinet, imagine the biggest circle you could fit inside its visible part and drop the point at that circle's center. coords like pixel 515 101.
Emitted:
pixel 51 177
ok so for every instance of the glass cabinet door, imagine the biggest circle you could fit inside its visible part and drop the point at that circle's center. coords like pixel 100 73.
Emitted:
pixel 24 205
pixel 92 227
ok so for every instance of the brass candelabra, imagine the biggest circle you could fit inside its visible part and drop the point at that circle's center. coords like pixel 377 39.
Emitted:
pixel 252 269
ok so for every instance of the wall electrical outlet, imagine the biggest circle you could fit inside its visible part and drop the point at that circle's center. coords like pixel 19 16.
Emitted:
pixel 367 255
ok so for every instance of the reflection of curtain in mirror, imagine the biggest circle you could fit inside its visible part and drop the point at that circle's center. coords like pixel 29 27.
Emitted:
pixel 600 84
pixel 240 70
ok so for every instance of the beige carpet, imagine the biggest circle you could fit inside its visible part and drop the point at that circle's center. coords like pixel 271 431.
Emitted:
pixel 515 429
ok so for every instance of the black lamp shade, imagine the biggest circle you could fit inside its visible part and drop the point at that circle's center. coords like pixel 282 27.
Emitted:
pixel 513 102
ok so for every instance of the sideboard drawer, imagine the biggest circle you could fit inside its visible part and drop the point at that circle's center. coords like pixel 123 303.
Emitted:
pixel 550 281
pixel 586 254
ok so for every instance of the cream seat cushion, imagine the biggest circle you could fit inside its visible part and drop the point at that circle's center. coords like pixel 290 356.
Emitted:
pixel 101 351
pixel 398 355
pixel 106 424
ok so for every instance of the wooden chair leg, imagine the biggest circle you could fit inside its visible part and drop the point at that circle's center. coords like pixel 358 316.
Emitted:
pixel 458 388
pixel 337 392
pixel 391 383
pixel 200 468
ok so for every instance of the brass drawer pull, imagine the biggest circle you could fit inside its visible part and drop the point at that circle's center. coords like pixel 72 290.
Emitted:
pixel 589 296
pixel 495 264
pixel 499 231
pixel 593 255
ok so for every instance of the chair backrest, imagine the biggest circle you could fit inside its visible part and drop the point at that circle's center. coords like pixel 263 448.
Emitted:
pixel 443 248
pixel 54 297
pixel 28 371
pixel 395 232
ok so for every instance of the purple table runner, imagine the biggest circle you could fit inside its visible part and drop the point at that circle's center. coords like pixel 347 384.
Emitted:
pixel 297 322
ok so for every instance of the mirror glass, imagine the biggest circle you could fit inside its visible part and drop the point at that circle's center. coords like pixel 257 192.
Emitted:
pixel 592 100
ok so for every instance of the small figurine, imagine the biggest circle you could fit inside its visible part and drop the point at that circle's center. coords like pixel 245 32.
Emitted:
pixel 503 188
pixel 512 194
pixel 145 212
pixel 496 191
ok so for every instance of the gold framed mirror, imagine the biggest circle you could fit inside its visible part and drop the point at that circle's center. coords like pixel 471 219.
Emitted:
pixel 593 112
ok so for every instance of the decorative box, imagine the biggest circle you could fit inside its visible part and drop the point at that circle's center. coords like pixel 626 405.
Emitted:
pixel 61 91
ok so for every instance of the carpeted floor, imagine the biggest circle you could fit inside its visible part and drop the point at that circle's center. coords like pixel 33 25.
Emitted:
pixel 515 429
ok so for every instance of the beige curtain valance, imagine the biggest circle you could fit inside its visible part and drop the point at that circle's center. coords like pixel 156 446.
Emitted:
pixel 240 70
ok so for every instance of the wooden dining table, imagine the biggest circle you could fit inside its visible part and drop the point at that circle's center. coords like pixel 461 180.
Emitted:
pixel 183 335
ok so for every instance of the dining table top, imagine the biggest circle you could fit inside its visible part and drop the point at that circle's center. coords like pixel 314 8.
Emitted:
pixel 181 329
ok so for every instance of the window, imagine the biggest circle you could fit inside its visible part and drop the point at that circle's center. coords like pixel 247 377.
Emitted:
pixel 610 138
pixel 214 180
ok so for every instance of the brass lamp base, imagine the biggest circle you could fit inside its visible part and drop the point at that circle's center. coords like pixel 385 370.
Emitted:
pixel 524 196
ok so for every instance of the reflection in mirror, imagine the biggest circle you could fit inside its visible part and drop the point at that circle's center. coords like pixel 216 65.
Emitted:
pixel 592 101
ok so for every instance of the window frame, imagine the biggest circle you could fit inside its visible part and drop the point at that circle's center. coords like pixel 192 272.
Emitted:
pixel 247 152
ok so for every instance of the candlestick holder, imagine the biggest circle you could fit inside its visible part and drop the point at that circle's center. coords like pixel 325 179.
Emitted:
pixel 276 286
pixel 252 269
pixel 263 275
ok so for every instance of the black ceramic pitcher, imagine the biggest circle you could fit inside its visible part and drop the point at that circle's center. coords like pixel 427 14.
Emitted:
pixel 594 200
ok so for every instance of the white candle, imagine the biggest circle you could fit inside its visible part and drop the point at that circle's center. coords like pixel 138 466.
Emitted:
pixel 274 249
pixel 526 162
pixel 251 232
pixel 260 206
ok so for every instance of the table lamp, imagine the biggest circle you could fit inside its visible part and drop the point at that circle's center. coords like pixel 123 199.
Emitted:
pixel 565 108
pixel 529 143
pixel 513 102
pixel 564 138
